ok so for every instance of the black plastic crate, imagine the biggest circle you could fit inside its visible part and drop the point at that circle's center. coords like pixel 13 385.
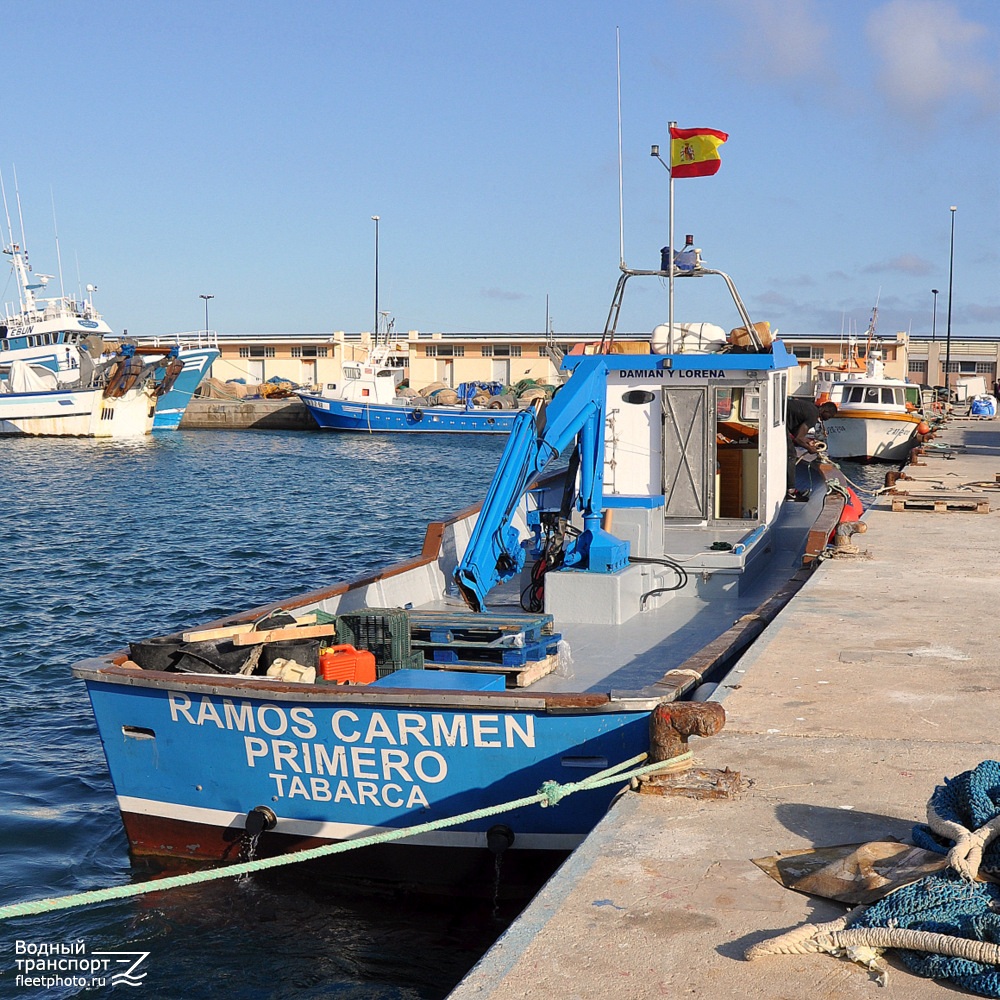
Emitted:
pixel 415 661
pixel 384 632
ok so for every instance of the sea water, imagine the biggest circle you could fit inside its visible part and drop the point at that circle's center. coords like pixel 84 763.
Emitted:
pixel 107 542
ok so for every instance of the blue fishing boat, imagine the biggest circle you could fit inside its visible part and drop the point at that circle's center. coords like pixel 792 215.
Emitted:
pixel 367 398
pixel 530 642
pixel 185 362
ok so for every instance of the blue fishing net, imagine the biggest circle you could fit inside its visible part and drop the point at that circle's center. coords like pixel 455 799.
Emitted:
pixel 971 799
pixel 944 904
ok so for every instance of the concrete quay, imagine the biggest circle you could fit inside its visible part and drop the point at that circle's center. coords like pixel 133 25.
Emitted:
pixel 289 414
pixel 875 683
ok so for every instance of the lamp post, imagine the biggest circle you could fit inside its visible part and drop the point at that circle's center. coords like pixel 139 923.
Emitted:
pixel 947 349
pixel 206 298
pixel 375 219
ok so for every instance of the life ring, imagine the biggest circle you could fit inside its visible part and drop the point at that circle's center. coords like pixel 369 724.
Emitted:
pixel 418 415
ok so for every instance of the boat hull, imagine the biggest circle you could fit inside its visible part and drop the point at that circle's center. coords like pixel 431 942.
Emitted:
pixel 76 413
pixel 341 415
pixel 190 756
pixel 871 436
pixel 171 405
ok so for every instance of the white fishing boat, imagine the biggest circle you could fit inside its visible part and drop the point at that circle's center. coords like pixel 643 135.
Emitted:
pixel 878 418
pixel 530 643
pixel 55 378
pixel 118 401
pixel 56 343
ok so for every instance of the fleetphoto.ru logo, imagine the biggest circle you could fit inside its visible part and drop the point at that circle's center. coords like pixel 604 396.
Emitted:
pixel 47 964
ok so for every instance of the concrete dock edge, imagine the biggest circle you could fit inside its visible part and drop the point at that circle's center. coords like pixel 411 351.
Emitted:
pixel 879 680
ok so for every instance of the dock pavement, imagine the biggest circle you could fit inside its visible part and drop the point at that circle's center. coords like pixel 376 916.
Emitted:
pixel 875 683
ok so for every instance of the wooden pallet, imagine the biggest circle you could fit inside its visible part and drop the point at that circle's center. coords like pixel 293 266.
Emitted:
pixel 444 626
pixel 485 654
pixel 941 501
pixel 516 677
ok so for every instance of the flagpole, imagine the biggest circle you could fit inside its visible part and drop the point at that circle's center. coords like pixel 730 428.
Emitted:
pixel 670 250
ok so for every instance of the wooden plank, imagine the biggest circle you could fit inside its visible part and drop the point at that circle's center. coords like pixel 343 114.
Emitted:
pixel 288 632
pixel 466 624
pixel 825 525
pixel 225 631
pixel 536 670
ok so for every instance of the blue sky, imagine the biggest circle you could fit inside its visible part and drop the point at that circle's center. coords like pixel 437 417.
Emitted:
pixel 240 150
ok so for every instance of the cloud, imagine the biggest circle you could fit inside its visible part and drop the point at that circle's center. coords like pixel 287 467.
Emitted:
pixel 930 56
pixel 906 263
pixel 784 39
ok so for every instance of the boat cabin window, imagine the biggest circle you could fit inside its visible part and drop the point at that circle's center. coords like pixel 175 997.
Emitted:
pixel 352 373
pixel 384 373
pixel 750 405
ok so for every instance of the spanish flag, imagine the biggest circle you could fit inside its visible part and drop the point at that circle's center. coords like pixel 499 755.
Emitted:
pixel 694 152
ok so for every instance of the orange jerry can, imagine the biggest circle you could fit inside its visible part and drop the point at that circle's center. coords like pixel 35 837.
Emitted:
pixel 346 665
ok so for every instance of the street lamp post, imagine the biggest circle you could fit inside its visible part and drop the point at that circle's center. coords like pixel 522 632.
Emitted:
pixel 951 273
pixel 375 219
pixel 206 298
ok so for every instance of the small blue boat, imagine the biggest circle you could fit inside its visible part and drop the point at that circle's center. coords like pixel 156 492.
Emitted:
pixel 531 640
pixel 366 399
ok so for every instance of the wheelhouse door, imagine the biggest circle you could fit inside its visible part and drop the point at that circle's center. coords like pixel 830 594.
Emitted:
pixel 685 451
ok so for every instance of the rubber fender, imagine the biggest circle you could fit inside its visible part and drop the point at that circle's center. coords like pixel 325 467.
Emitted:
pixel 853 508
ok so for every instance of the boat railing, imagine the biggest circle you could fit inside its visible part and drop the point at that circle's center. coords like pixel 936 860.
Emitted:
pixel 58 307
pixel 611 326
pixel 188 339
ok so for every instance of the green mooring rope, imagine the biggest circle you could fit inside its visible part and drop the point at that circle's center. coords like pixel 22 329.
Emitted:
pixel 549 794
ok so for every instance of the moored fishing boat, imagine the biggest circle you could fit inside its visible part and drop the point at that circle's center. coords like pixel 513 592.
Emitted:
pixel 530 641
pixel 186 360
pixel 117 401
pixel 367 398
pixel 67 337
pixel 878 418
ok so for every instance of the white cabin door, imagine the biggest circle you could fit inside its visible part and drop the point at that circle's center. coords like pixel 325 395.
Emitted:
pixel 685 451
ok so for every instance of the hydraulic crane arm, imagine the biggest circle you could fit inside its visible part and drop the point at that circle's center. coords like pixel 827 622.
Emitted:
pixel 494 552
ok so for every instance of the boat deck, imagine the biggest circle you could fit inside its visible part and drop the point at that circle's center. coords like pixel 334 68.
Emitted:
pixel 629 657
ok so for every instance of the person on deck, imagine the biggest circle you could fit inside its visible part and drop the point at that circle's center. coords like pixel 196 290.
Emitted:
pixel 801 415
